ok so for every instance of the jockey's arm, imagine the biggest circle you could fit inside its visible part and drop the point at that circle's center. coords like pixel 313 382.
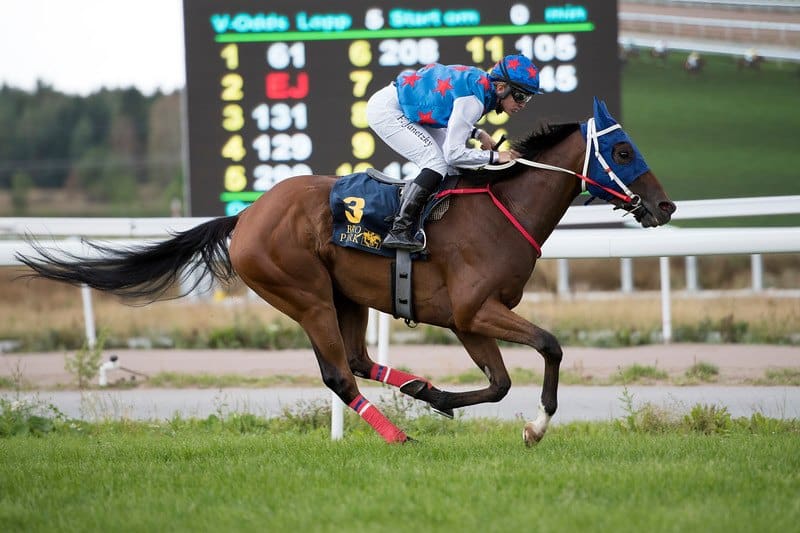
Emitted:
pixel 467 110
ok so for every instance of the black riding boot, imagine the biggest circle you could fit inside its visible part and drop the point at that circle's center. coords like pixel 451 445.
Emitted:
pixel 404 229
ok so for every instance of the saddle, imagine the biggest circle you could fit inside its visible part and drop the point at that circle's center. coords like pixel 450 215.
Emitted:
pixel 364 204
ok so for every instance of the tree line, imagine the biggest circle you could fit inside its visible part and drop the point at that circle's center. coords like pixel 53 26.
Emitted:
pixel 108 145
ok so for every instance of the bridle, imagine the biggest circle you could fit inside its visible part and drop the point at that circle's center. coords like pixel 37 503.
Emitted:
pixel 632 203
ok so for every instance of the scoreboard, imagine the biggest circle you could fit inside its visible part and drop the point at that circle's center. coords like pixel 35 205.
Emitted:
pixel 279 88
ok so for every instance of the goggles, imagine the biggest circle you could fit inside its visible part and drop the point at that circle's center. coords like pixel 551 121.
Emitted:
pixel 521 97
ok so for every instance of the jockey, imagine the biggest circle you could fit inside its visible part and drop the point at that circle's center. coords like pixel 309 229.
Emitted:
pixel 428 115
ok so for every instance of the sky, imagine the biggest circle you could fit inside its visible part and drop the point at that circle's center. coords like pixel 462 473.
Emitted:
pixel 79 46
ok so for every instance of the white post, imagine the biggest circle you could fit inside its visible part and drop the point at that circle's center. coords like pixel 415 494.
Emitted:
pixel 337 417
pixel 102 376
pixel 666 311
pixel 563 277
pixel 383 339
pixel 757 272
pixel 88 316
pixel 691 273
pixel 626 274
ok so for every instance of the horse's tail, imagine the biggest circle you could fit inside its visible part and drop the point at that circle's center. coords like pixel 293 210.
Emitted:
pixel 143 272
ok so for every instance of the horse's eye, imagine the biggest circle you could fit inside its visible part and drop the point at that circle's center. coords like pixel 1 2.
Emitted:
pixel 622 153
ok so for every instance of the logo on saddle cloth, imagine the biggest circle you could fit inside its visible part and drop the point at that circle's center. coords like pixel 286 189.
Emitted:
pixel 363 210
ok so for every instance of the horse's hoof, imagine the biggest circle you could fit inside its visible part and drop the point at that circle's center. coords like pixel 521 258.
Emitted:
pixel 444 412
pixel 414 388
pixel 420 390
pixel 531 435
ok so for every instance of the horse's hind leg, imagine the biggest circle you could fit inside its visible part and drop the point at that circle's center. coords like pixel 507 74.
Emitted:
pixel 319 323
pixel 353 324
pixel 306 295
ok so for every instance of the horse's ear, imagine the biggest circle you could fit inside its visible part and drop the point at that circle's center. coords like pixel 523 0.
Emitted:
pixel 602 117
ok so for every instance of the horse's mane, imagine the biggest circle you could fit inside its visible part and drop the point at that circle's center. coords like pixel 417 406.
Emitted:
pixel 531 147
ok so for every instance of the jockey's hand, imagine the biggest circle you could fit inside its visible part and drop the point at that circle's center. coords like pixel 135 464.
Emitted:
pixel 487 143
pixel 507 155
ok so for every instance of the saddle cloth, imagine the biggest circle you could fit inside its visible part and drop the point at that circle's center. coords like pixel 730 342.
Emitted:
pixel 363 209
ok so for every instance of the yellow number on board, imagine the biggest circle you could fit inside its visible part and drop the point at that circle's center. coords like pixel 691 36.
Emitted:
pixel 233 117
pixel 235 179
pixel 360 53
pixel 358 114
pixel 363 145
pixel 231 56
pixel 232 87
pixel 360 79
pixel 234 148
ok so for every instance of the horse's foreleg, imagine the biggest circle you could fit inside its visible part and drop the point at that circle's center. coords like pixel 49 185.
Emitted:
pixel 495 320
pixel 486 355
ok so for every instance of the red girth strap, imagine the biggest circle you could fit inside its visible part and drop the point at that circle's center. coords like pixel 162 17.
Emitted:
pixel 511 218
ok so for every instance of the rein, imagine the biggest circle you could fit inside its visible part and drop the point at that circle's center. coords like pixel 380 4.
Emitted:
pixel 503 209
pixel 592 136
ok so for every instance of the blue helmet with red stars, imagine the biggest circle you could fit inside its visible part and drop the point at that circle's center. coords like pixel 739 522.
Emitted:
pixel 519 72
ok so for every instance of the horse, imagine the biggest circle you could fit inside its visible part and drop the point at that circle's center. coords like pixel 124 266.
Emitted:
pixel 480 256
pixel 694 63
pixel 659 51
pixel 751 60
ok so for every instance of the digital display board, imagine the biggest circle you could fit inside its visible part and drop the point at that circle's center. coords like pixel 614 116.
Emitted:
pixel 279 88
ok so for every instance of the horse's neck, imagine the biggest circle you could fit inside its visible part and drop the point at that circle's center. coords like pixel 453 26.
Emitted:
pixel 540 198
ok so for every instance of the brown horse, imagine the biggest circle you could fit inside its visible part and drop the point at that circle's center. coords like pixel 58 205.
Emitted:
pixel 481 257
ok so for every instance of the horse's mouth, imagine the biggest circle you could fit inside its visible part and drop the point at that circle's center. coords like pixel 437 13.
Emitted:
pixel 647 217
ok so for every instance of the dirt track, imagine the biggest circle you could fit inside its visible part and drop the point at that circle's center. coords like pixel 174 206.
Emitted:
pixel 736 362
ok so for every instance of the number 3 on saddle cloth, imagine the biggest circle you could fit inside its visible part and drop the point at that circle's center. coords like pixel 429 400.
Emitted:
pixel 363 206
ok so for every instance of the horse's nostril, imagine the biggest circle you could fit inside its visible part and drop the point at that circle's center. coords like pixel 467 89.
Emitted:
pixel 667 207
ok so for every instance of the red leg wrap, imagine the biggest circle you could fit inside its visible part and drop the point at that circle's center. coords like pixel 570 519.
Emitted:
pixel 392 376
pixel 375 418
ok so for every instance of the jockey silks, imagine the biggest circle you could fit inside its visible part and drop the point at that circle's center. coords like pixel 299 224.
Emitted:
pixel 427 95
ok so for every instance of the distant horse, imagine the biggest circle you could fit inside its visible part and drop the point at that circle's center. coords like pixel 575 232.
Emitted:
pixel 659 51
pixel 481 255
pixel 694 63
pixel 751 60
pixel 627 51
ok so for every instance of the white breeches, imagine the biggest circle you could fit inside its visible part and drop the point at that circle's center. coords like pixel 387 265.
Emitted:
pixel 418 144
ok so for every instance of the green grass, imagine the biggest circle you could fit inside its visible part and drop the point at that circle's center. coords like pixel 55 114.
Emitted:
pixel 636 373
pixel 781 376
pixel 703 372
pixel 200 476
pixel 724 133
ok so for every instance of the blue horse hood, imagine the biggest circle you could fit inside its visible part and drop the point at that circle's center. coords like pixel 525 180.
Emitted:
pixel 628 172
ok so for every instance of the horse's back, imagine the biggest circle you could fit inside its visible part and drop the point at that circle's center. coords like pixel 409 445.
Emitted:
pixel 287 202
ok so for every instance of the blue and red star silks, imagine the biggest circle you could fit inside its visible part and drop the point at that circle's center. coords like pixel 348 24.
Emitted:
pixel 427 95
